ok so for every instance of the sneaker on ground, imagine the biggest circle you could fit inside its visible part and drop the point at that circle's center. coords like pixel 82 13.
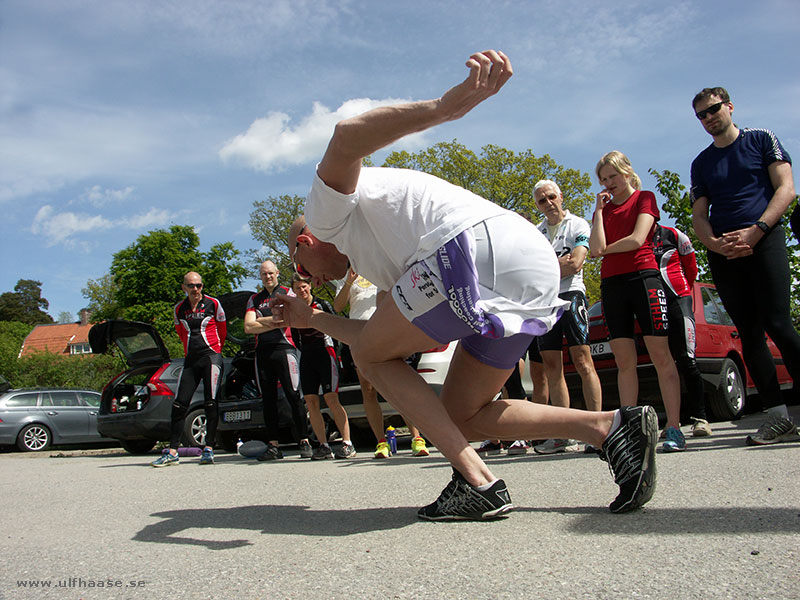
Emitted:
pixel 166 460
pixel 305 449
pixel 322 452
pixel 207 457
pixel 700 428
pixel 345 451
pixel 674 440
pixel 518 447
pixel 272 453
pixel 382 450
pixel 459 501
pixel 489 447
pixel 556 445
pixel 775 429
pixel 630 451
pixel 418 447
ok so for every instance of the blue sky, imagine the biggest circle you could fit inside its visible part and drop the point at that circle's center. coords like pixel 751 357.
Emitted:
pixel 120 117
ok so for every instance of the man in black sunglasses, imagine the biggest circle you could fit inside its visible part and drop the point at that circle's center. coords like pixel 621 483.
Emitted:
pixel 202 327
pixel 456 267
pixel 742 185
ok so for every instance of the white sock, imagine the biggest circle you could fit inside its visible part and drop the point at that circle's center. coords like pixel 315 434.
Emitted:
pixel 483 488
pixel 616 422
pixel 781 411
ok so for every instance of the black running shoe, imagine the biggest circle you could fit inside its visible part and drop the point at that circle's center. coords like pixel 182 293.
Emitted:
pixel 459 501
pixel 630 452
pixel 272 453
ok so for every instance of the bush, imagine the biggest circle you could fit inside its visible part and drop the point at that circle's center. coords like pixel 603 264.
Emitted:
pixel 44 369
pixel 12 334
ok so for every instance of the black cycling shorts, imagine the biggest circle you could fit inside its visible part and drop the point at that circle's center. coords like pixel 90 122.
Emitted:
pixel 319 371
pixel 637 295
pixel 573 324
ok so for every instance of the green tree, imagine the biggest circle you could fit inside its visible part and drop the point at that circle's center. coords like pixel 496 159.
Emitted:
pixel 269 224
pixel 143 283
pixel 102 296
pixel 25 304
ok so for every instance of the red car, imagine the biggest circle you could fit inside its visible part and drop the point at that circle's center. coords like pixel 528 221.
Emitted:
pixel 719 358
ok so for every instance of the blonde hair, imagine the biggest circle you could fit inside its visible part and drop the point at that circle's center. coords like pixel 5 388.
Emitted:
pixel 622 165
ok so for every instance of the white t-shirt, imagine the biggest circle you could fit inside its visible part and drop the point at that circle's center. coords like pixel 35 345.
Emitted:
pixel 395 218
pixel 363 298
pixel 570 233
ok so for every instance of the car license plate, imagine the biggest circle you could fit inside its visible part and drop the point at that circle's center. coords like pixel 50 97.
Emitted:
pixel 236 416
pixel 601 348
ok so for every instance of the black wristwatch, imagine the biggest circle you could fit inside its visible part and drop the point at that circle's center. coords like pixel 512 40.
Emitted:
pixel 763 226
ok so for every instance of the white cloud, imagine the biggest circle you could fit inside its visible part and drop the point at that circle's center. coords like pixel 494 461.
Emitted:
pixel 152 218
pixel 68 228
pixel 271 143
pixel 98 196
pixel 57 228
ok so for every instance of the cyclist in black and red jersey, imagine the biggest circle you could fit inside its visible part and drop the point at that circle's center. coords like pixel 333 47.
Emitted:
pixel 276 360
pixel 319 375
pixel 678 266
pixel 200 323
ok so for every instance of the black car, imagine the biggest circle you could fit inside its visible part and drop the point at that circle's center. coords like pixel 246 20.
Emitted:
pixel 136 405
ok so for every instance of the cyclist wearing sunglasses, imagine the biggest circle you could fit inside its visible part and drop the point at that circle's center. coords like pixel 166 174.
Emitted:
pixel 742 185
pixel 201 325
pixel 457 267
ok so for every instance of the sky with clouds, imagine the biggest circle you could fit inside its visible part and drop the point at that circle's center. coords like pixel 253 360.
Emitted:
pixel 120 117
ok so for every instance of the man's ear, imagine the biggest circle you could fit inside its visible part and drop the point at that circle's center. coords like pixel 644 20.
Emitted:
pixel 305 239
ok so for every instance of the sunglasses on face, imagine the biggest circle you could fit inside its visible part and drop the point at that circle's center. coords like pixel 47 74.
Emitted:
pixel 711 110
pixel 194 286
pixel 543 199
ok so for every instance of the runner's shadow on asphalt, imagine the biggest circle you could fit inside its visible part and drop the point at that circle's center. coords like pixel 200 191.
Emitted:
pixel 679 521
pixel 271 519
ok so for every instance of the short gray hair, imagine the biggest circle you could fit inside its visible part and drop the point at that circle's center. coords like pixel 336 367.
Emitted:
pixel 543 182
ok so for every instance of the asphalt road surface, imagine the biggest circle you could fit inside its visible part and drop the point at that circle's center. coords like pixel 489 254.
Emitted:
pixel 724 523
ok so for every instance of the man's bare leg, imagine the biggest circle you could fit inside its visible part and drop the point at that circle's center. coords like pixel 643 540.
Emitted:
pixel 466 399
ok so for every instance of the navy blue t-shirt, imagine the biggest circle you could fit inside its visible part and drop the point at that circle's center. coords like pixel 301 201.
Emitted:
pixel 735 179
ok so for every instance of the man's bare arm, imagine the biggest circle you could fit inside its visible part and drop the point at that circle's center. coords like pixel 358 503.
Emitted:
pixel 573 262
pixel 360 136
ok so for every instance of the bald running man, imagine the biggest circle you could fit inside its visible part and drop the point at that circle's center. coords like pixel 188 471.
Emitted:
pixel 457 267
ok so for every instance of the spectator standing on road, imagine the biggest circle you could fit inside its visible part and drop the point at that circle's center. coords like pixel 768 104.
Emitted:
pixel 459 267
pixel 569 236
pixel 631 287
pixel 363 297
pixel 742 185
pixel 678 265
pixel 201 326
pixel 276 361
pixel 319 375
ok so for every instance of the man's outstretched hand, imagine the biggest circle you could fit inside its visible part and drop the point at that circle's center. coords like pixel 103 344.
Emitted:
pixel 488 72
pixel 291 311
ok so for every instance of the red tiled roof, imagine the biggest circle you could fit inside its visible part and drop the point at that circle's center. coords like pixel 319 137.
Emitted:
pixel 55 338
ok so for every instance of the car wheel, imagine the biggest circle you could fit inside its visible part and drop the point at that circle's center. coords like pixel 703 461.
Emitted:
pixel 194 428
pixel 138 446
pixel 34 438
pixel 727 400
